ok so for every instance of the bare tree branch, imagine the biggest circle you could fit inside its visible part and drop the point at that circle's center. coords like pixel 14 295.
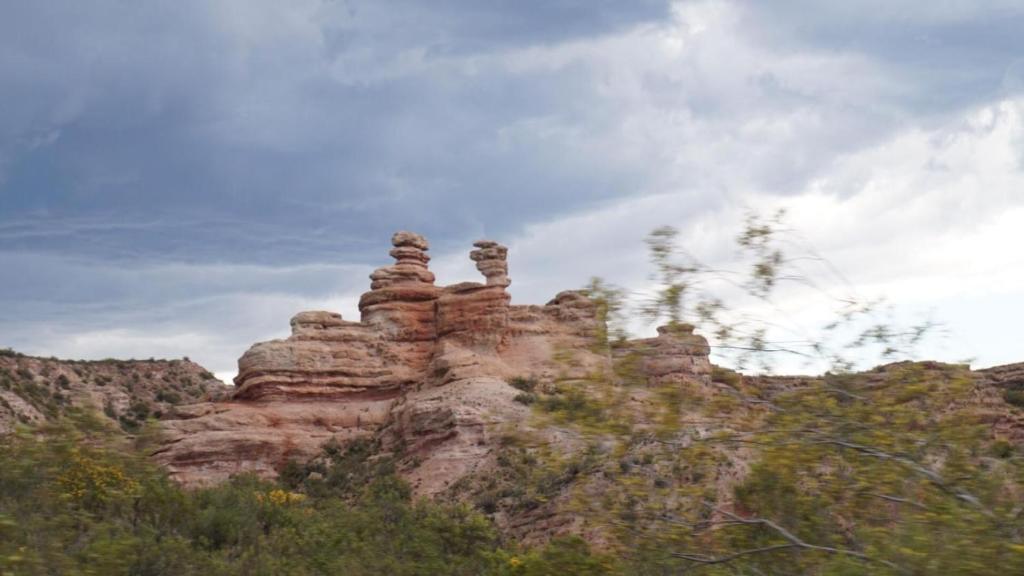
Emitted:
pixel 929 474
pixel 793 542
pixel 702 559
pixel 899 500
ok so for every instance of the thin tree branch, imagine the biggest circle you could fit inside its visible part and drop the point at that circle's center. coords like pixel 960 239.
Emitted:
pixel 899 500
pixel 793 542
pixel 931 475
pixel 703 559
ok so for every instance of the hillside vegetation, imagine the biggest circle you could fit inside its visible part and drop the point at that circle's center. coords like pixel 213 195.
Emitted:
pixel 35 390
pixel 912 468
pixel 77 498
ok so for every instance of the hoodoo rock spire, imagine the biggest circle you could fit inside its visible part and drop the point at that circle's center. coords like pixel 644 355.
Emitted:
pixel 424 373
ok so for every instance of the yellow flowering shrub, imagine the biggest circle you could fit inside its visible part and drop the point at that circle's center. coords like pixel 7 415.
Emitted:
pixel 89 483
pixel 279 497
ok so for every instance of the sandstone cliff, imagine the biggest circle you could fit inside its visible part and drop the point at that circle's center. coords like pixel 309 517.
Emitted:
pixel 442 380
pixel 424 373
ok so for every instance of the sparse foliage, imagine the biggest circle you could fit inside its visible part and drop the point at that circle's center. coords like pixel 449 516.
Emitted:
pixel 611 307
pixel 723 302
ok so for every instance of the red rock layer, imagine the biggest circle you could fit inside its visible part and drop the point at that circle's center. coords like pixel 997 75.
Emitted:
pixel 425 371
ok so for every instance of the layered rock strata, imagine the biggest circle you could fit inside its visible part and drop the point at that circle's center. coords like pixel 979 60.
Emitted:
pixel 424 372
pixel 490 258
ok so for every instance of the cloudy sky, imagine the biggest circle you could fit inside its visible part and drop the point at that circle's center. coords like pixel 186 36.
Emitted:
pixel 179 178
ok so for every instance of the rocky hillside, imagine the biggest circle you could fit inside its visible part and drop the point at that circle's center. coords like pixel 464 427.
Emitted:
pixel 658 459
pixel 629 463
pixel 530 415
pixel 34 390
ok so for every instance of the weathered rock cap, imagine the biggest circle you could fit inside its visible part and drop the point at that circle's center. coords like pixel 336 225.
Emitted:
pixel 318 318
pixel 490 258
pixel 676 329
pixel 498 253
pixel 411 239
pixel 572 298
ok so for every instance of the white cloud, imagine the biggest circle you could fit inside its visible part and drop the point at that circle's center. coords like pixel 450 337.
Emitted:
pixel 929 219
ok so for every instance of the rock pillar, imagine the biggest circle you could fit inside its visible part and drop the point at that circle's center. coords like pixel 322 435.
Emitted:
pixel 401 299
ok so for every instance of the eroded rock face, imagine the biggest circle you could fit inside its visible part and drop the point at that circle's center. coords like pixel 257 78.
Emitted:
pixel 424 372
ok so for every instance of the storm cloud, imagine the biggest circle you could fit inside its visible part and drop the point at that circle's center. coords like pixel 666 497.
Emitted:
pixel 178 178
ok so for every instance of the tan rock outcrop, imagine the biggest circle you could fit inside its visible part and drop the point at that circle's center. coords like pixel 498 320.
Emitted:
pixel 424 371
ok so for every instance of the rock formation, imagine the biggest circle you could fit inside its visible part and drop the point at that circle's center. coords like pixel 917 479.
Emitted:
pixel 424 371
pixel 490 261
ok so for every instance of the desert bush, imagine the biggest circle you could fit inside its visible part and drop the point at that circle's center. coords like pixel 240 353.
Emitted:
pixel 76 499
pixel 526 398
pixel 523 384
pixel 169 396
pixel 1014 397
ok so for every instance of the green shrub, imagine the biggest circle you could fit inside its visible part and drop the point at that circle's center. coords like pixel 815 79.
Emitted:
pixel 572 404
pixel 523 384
pixel 169 396
pixel 525 398
pixel 75 499
pixel 1002 449
pixel 139 409
pixel 1014 397
pixel 726 376
pixel 63 382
